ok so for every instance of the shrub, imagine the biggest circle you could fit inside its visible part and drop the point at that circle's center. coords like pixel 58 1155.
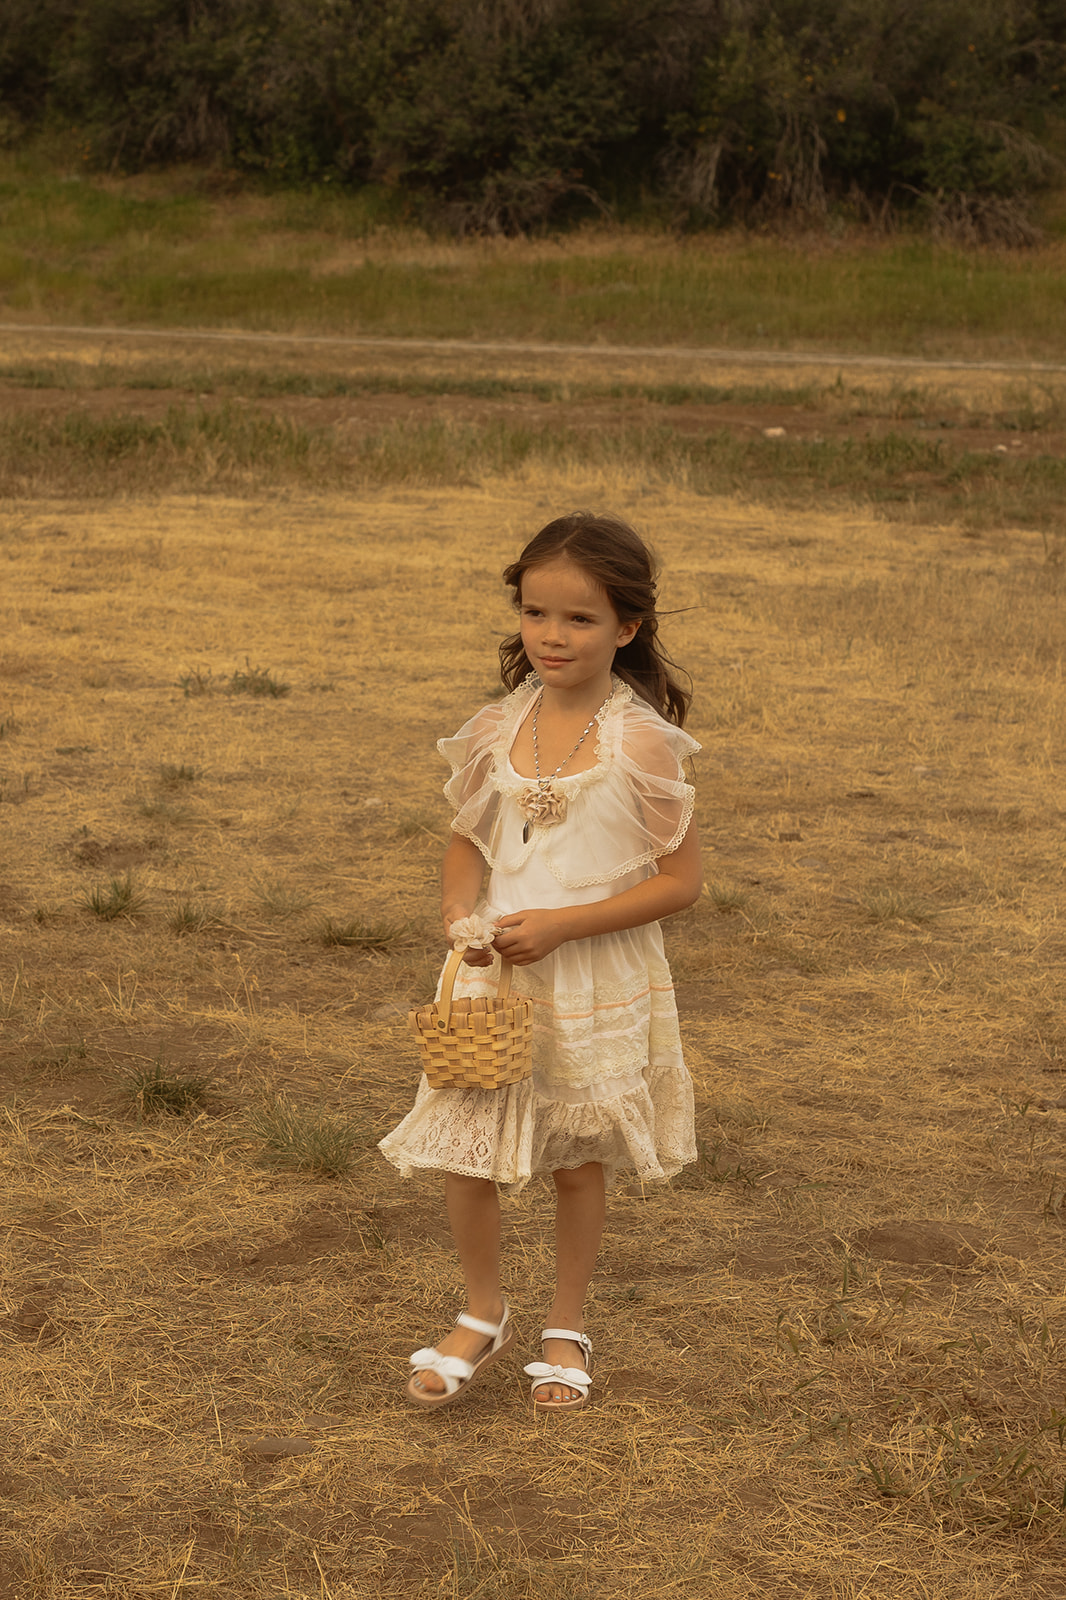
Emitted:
pixel 500 117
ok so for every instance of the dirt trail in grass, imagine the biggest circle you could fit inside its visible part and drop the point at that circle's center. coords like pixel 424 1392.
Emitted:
pixel 964 406
pixel 517 349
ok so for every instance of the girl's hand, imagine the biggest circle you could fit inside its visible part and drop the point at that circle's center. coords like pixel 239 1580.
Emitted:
pixel 527 936
pixel 473 958
pixel 478 958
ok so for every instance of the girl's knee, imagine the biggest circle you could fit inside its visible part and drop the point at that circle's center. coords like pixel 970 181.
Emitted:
pixel 462 1183
pixel 576 1180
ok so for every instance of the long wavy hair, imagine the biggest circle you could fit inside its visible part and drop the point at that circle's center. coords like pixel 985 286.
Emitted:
pixel 614 556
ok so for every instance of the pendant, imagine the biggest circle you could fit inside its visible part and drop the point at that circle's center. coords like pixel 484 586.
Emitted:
pixel 527 829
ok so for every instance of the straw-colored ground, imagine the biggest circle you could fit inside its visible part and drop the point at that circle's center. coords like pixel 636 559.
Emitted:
pixel 829 1359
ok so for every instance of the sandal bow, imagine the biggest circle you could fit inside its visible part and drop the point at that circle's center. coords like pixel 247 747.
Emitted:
pixel 573 1377
pixel 543 1373
pixel 452 1369
pixel 454 1372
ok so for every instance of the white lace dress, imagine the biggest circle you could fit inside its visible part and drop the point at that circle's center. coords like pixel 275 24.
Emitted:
pixel 609 1083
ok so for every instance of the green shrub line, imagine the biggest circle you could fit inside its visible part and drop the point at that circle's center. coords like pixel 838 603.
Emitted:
pixel 743 108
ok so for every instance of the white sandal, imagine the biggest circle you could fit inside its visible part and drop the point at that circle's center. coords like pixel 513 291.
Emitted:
pixel 573 1377
pixel 455 1373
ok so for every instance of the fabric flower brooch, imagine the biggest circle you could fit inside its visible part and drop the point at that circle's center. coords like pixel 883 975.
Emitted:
pixel 542 806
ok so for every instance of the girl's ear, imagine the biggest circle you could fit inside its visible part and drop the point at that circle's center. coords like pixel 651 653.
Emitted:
pixel 627 633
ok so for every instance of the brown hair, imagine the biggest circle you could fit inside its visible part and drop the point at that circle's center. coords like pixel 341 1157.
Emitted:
pixel 614 556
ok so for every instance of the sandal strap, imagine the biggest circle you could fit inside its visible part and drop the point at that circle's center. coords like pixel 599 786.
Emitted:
pixel 491 1330
pixel 568 1333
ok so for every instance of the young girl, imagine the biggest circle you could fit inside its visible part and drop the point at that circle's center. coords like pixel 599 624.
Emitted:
pixel 571 792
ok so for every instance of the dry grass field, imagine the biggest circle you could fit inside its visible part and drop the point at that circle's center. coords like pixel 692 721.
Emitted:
pixel 830 1356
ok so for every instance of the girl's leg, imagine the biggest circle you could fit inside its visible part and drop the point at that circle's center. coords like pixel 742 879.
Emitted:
pixel 474 1214
pixel 580 1209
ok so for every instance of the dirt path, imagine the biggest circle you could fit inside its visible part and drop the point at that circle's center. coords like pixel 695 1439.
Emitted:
pixel 465 347
pixel 967 406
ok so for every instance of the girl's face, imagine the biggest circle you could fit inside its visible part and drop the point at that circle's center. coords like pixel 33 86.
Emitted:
pixel 570 629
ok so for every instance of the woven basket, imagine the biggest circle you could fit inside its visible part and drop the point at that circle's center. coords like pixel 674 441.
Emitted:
pixel 485 1043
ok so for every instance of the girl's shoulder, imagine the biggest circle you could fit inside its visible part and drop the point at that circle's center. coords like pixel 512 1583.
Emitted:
pixel 642 738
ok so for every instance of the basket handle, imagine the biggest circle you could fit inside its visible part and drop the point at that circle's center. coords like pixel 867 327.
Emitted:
pixel 447 984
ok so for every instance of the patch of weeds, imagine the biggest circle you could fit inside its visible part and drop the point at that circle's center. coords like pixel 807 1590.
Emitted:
pixel 189 916
pixel 1055 1200
pixel 280 899
pixel 739 1114
pixel 717 1163
pixel 119 897
pixel 46 916
pixel 12 795
pixel 200 680
pixel 884 1477
pixel 360 933
pixel 307 1141
pixel 64 1055
pixel 726 898
pixel 322 686
pixel 160 1091
pixel 971 1478
pixel 172 775
pixel 892 905
pixel 409 824
pixel 256 681
pixel 163 811
pixel 999 819
pixel 8 727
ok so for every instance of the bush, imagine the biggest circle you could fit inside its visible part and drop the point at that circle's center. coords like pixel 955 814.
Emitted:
pixel 800 103
pixel 501 114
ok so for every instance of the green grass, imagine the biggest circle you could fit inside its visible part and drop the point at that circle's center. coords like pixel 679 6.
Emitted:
pixel 726 897
pixel 103 250
pixel 163 811
pixel 1029 407
pixel 307 1141
pixel 157 1090
pixel 894 905
pixel 909 478
pixel 190 916
pixel 360 933
pixel 119 897
pixel 1032 406
pixel 281 899
pixel 259 682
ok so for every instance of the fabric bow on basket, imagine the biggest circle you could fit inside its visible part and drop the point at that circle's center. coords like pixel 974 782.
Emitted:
pixel 474 932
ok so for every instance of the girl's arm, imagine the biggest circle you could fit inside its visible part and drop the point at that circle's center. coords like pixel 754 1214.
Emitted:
pixel 527 936
pixel 461 876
